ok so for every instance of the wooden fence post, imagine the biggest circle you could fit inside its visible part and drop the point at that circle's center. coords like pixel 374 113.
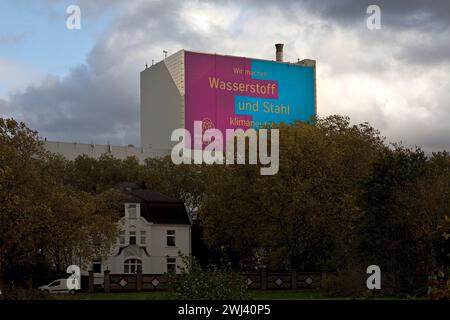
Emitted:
pixel 323 279
pixel 107 281
pixel 91 281
pixel 263 280
pixel 139 283
pixel 294 279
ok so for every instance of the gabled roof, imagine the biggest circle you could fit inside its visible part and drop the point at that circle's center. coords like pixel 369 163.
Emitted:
pixel 156 207
pixel 145 195
pixel 165 213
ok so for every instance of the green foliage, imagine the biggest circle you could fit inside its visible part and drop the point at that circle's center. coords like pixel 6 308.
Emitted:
pixel 404 201
pixel 347 283
pixel 342 198
pixel 42 215
pixel 439 289
pixel 95 175
pixel 25 294
pixel 213 283
pixel 302 217
pixel 185 182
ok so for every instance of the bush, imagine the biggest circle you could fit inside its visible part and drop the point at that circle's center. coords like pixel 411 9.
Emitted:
pixel 348 283
pixel 439 290
pixel 439 286
pixel 213 283
pixel 25 294
pixel 351 283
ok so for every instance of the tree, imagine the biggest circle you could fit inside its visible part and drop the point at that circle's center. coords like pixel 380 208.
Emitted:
pixel 184 182
pixel 404 201
pixel 303 216
pixel 23 190
pixel 95 175
pixel 83 226
pixel 41 215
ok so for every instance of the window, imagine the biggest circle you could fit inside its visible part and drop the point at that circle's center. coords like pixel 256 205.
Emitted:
pixel 132 237
pixel 171 238
pixel 142 236
pixel 55 283
pixel 97 266
pixel 132 266
pixel 132 211
pixel 122 237
pixel 171 264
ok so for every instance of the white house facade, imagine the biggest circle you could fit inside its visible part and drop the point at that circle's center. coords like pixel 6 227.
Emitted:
pixel 154 230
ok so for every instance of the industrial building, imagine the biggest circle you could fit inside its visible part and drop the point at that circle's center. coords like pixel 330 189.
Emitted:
pixel 219 90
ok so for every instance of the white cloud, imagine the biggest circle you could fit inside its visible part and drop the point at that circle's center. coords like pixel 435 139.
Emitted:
pixel 207 18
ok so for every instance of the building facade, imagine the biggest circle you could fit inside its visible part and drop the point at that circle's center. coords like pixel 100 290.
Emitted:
pixel 155 231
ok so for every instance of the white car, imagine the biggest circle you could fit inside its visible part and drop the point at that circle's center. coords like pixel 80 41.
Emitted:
pixel 57 286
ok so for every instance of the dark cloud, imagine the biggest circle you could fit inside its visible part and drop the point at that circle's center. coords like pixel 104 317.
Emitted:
pixel 81 107
pixel 433 50
pixel 417 14
pixel 428 18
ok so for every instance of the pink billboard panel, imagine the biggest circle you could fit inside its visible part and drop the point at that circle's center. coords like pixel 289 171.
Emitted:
pixel 226 92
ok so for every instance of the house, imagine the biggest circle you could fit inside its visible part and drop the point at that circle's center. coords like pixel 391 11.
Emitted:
pixel 154 229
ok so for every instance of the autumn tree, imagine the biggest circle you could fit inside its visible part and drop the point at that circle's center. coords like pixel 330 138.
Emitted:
pixel 404 201
pixel 185 182
pixel 40 214
pixel 23 189
pixel 95 175
pixel 303 216
pixel 83 226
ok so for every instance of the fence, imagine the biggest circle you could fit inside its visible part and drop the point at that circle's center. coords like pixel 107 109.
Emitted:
pixel 264 280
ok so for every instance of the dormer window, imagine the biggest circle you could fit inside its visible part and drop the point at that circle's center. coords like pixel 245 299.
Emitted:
pixel 132 237
pixel 132 211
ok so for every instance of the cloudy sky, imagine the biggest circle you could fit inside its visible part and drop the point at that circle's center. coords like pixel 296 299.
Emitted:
pixel 83 85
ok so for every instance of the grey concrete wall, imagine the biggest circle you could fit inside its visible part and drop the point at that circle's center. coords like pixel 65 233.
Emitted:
pixel 71 150
pixel 162 101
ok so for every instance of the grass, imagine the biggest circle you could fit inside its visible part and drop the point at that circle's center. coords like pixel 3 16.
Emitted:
pixel 158 295
pixel 288 295
pixel 153 295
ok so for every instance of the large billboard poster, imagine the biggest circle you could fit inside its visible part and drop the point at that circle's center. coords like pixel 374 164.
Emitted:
pixel 226 92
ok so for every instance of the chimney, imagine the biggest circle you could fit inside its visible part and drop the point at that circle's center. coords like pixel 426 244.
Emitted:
pixel 279 54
